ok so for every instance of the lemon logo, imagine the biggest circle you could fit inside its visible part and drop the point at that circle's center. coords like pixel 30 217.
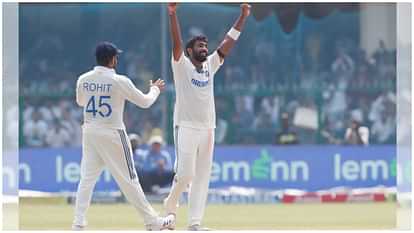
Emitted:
pixel 261 166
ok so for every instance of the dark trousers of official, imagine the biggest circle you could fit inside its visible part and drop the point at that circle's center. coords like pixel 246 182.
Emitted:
pixel 150 178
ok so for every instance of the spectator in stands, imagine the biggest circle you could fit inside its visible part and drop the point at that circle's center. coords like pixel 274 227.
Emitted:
pixel 222 127
pixel 380 104
pixel 136 142
pixel 328 133
pixel 46 111
pixel 58 136
pixel 271 105
pixel 35 130
pixel 157 168
pixel 384 128
pixel 381 53
pixel 59 107
pixel 72 127
pixel 221 131
pixel 286 136
pixel 138 151
pixel 263 121
pixel 245 109
pixel 12 127
pixel 356 134
pixel 264 128
pixel 343 63
pixel 362 60
pixel 336 104
pixel 242 120
pixel 28 108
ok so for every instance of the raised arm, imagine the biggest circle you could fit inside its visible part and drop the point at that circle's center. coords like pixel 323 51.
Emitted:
pixel 231 37
pixel 175 31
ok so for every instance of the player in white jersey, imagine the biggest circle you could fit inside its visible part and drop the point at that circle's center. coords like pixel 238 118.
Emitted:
pixel 194 114
pixel 102 93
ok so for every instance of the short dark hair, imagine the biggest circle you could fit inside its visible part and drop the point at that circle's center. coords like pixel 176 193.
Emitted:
pixel 104 53
pixel 104 61
pixel 191 42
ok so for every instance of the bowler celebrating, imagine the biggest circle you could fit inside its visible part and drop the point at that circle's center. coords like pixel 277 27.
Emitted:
pixel 102 93
pixel 194 113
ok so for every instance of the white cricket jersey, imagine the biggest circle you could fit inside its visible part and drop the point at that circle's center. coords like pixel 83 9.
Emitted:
pixel 102 94
pixel 194 101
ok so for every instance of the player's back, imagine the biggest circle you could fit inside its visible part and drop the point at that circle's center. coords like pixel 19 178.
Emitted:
pixel 98 91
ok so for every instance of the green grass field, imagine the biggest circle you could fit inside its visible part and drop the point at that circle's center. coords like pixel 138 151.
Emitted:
pixel 57 215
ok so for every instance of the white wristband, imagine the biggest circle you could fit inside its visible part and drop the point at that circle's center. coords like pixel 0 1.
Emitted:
pixel 233 33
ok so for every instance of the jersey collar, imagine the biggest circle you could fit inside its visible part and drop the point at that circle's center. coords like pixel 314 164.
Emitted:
pixel 104 69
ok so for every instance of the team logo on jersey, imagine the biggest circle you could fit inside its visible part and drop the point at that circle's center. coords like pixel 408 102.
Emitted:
pixel 203 71
pixel 206 73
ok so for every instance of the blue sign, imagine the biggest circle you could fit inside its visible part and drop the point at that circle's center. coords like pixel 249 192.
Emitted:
pixel 270 167
pixel 9 170
pixel 304 167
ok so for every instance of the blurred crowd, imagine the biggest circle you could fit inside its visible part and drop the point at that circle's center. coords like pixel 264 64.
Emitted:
pixel 350 88
pixel 259 94
pixel 53 123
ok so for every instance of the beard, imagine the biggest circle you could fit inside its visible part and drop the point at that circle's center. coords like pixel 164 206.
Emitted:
pixel 200 57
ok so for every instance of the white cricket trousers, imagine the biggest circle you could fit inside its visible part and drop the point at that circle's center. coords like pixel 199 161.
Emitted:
pixel 109 148
pixel 193 162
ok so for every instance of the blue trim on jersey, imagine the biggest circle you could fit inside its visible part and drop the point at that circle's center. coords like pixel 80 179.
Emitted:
pixel 127 154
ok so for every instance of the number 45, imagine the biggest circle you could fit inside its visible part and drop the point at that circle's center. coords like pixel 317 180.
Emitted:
pixel 90 107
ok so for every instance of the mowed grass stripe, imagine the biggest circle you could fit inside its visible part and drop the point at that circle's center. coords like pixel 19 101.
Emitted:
pixel 58 216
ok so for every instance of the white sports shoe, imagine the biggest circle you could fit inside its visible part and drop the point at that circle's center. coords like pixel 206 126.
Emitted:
pixel 197 227
pixel 162 223
pixel 79 225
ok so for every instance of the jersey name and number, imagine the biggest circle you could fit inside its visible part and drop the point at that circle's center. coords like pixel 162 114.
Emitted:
pixel 98 105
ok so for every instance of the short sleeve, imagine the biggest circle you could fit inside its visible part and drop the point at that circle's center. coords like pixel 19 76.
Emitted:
pixel 180 61
pixel 178 67
pixel 215 62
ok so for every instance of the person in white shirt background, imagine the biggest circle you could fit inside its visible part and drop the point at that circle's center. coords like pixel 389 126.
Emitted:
pixel 58 135
pixel 357 134
pixel 36 129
